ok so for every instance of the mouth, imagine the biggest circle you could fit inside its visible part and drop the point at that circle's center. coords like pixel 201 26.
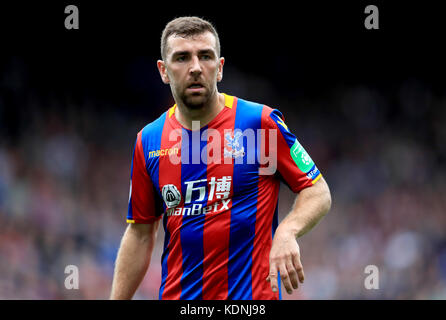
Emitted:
pixel 195 87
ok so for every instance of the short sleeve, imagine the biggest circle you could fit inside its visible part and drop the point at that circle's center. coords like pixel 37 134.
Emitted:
pixel 294 164
pixel 141 207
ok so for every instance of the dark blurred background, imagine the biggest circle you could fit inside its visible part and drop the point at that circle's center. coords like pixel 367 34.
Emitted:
pixel 368 105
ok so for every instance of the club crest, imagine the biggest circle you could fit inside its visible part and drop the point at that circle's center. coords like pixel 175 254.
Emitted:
pixel 232 147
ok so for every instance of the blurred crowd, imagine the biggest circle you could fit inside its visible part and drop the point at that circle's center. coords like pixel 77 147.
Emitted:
pixel 64 183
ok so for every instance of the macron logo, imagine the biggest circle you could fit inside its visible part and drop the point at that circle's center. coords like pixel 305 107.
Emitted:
pixel 163 152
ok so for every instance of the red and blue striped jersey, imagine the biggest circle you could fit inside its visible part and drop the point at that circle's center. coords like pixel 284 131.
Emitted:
pixel 218 197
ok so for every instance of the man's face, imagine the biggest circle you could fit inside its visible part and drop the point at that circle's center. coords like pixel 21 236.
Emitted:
pixel 192 68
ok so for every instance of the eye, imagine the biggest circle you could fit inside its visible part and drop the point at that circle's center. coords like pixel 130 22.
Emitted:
pixel 206 57
pixel 181 58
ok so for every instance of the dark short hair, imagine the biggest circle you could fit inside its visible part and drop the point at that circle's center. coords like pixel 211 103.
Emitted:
pixel 187 27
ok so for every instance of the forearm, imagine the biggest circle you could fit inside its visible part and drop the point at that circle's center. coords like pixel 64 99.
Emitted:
pixel 310 206
pixel 132 262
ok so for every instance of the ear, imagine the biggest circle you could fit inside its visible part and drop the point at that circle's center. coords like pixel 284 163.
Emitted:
pixel 220 69
pixel 163 71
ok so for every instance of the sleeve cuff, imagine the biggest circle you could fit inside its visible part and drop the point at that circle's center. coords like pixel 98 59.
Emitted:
pixel 144 221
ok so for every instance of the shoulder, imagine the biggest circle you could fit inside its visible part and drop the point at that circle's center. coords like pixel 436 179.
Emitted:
pixel 268 115
pixel 151 133
pixel 154 126
pixel 251 107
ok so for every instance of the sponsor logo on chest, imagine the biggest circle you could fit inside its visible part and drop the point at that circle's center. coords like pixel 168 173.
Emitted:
pixel 218 192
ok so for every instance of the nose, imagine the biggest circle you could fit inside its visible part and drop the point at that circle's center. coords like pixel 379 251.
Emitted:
pixel 195 68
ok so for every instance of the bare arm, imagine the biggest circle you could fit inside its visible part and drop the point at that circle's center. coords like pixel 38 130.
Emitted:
pixel 308 209
pixel 133 259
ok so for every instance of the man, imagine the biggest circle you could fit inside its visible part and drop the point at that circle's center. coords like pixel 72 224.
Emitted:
pixel 216 193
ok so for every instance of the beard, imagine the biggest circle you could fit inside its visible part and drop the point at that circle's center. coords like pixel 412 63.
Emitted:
pixel 195 101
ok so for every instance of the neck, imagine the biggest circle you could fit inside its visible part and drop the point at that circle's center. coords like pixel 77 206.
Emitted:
pixel 204 115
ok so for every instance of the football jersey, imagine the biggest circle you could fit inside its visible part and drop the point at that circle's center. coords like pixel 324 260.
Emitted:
pixel 217 189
